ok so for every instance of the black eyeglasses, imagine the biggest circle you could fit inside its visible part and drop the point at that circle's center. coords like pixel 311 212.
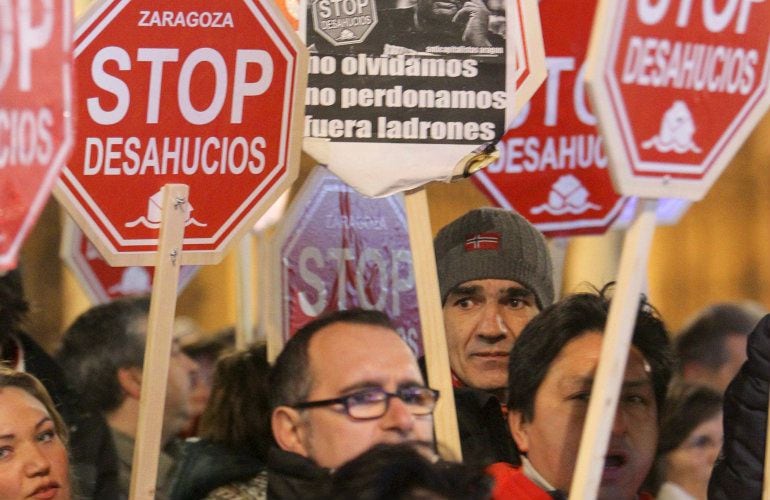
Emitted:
pixel 373 403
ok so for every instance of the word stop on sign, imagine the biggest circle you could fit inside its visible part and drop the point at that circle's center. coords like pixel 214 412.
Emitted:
pixel 161 58
pixel 312 263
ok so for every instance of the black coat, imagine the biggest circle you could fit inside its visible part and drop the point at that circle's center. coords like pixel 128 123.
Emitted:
pixel 204 466
pixel 739 470
pixel 291 476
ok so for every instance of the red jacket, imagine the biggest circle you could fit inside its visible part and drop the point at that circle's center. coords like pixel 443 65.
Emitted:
pixel 512 484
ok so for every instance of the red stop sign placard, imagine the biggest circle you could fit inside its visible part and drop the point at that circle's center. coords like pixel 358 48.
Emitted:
pixel 338 250
pixel 677 86
pixel 35 113
pixel 99 280
pixel 553 167
pixel 190 92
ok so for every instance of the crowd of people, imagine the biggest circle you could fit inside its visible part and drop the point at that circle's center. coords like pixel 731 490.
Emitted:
pixel 345 411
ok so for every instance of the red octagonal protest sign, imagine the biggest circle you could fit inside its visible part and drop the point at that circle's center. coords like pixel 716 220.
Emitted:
pixel 35 113
pixel 677 85
pixel 99 280
pixel 553 166
pixel 207 94
pixel 338 250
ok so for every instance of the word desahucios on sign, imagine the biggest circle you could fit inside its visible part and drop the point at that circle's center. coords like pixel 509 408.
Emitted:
pixel 677 86
pixel 338 249
pixel 189 92
pixel 553 168
pixel 408 91
pixel 35 113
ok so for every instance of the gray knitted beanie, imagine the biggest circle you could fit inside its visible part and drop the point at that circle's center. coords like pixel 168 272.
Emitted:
pixel 493 243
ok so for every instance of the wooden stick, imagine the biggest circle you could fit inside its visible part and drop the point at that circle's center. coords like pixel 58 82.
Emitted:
pixel 432 322
pixel 157 355
pixel 265 287
pixel 244 330
pixel 612 361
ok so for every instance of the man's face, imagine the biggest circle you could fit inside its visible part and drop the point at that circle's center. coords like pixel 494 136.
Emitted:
pixel 734 347
pixel 482 320
pixel 181 375
pixel 552 439
pixel 346 358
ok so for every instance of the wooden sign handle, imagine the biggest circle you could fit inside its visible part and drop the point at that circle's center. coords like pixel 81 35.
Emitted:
pixel 614 354
pixel 157 353
pixel 432 322
pixel 244 330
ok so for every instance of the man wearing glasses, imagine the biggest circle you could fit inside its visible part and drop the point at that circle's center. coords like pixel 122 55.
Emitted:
pixel 342 384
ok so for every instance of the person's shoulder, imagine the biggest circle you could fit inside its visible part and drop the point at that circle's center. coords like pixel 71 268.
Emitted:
pixel 511 483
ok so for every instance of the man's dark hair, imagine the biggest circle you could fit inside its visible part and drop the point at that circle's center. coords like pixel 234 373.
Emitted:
pixel 546 334
pixel 702 341
pixel 102 340
pixel 290 379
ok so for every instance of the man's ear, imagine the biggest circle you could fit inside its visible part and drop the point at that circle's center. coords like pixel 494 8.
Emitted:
pixel 519 430
pixel 130 380
pixel 289 430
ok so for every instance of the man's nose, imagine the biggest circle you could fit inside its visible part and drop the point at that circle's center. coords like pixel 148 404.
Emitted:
pixel 491 325
pixel 620 424
pixel 36 462
pixel 398 417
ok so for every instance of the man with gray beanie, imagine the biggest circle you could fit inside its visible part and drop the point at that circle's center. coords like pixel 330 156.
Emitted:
pixel 495 274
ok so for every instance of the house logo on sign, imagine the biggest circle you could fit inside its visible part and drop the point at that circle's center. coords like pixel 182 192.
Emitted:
pixel 567 196
pixel 134 280
pixel 155 210
pixel 676 131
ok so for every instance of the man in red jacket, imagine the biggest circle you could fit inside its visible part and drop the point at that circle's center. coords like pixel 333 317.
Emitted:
pixel 551 372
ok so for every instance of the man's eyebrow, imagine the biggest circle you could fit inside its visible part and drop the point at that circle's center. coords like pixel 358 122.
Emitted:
pixel 634 384
pixel 359 386
pixel 516 292
pixel 589 382
pixel 465 290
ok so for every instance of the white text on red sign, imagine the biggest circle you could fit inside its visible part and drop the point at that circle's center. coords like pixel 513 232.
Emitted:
pixel 25 134
pixel 660 62
pixel 176 155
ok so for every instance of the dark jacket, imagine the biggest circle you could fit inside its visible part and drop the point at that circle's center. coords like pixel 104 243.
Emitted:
pixel 204 466
pixel 484 434
pixel 93 457
pixel 739 469
pixel 291 476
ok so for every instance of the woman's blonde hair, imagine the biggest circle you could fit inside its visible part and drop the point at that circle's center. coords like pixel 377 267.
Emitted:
pixel 31 385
